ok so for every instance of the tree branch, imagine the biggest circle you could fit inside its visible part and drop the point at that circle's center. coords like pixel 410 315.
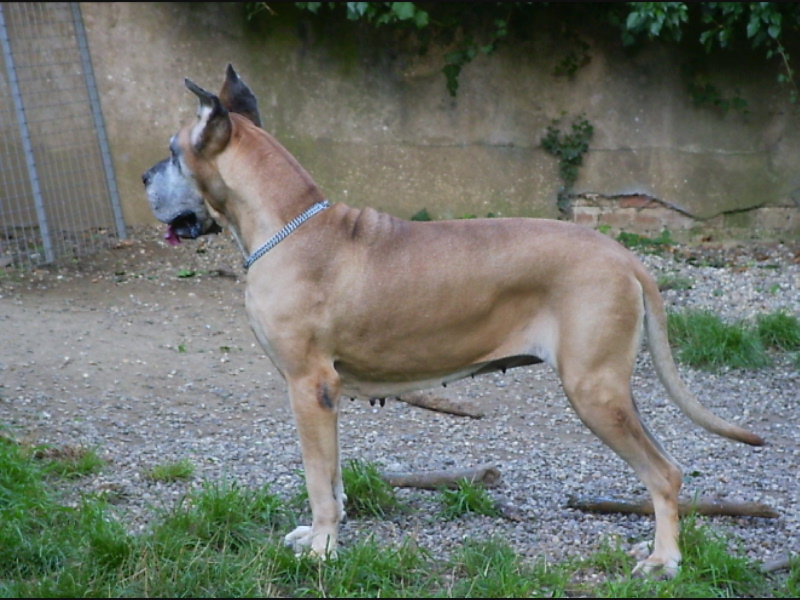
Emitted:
pixel 441 404
pixel 486 475
pixel 701 507
pixel 779 564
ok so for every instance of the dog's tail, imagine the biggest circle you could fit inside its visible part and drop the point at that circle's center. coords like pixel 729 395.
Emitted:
pixel 658 344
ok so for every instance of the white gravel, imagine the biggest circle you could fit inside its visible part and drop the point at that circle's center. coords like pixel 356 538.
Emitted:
pixel 121 355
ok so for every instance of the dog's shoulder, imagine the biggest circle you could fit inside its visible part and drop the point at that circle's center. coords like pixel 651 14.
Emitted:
pixel 368 225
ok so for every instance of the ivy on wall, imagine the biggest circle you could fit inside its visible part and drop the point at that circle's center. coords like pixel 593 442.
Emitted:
pixel 483 26
pixel 472 29
pixel 569 147
pixel 764 25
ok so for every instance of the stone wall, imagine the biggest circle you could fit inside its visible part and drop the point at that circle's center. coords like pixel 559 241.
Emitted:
pixel 372 121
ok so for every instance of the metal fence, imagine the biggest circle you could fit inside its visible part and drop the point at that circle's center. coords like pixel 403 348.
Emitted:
pixel 58 196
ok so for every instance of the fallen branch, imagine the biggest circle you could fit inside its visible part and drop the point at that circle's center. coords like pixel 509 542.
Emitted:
pixel 779 564
pixel 485 475
pixel 701 507
pixel 441 404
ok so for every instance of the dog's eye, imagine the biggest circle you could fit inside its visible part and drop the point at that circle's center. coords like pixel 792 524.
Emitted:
pixel 174 159
pixel 173 155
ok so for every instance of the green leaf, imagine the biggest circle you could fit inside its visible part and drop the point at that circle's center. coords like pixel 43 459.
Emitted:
pixel 403 10
pixel 451 73
pixel 634 20
pixel 655 28
pixel 457 57
pixel 753 26
pixel 501 26
pixel 628 39
pixel 356 10
pixel 309 6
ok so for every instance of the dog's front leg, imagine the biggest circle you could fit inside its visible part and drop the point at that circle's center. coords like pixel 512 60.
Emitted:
pixel 315 402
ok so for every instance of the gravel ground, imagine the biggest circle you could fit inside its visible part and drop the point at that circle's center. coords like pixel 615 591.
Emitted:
pixel 143 352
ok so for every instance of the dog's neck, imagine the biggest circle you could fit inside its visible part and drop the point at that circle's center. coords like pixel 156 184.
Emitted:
pixel 266 203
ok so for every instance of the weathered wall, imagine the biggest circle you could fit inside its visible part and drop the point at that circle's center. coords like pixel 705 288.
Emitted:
pixel 376 126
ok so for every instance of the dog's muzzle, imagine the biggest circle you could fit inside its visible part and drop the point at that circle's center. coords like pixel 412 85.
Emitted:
pixel 176 201
pixel 188 225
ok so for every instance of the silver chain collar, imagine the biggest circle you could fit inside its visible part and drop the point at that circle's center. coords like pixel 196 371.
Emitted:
pixel 285 231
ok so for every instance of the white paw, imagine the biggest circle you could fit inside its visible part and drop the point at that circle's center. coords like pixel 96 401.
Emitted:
pixel 656 570
pixel 304 541
pixel 298 539
pixel 651 566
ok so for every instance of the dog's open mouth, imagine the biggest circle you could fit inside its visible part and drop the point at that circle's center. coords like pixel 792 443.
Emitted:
pixel 187 226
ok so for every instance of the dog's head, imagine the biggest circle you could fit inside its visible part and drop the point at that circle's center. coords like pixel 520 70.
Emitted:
pixel 185 190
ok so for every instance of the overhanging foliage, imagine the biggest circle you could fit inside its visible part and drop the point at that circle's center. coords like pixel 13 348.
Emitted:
pixel 482 26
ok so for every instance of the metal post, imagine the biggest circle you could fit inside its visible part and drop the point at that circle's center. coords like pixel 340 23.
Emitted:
pixel 30 161
pixel 97 115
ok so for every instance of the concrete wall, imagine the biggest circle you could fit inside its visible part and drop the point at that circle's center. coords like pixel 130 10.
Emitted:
pixel 374 124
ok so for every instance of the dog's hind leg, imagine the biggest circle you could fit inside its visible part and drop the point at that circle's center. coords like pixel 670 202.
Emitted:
pixel 602 399
pixel 315 402
pixel 595 360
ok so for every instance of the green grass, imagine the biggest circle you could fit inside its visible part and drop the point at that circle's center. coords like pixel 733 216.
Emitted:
pixel 466 498
pixel 220 514
pixel 421 215
pixel 368 495
pixel 68 461
pixel 225 541
pixel 44 541
pixel 171 471
pixel 792 588
pixel 779 330
pixel 424 215
pixel 635 241
pixel 491 569
pixel 675 282
pixel 705 341
pixel 365 569
pixel 709 570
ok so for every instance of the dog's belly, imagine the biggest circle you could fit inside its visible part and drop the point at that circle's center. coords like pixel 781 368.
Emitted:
pixel 364 387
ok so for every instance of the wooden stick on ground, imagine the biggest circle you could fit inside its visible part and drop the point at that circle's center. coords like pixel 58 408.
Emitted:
pixel 779 564
pixel 441 404
pixel 487 475
pixel 701 507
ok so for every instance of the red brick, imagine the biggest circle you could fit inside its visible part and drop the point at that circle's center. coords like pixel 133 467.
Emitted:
pixel 637 202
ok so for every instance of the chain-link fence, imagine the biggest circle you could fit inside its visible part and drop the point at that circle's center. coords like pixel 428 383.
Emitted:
pixel 58 196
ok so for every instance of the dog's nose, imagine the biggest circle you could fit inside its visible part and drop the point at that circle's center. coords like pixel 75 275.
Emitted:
pixel 146 178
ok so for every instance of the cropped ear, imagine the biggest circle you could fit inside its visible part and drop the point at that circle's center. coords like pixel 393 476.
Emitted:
pixel 212 131
pixel 238 98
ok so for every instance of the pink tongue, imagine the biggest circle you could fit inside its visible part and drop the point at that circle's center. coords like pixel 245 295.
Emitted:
pixel 172 237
